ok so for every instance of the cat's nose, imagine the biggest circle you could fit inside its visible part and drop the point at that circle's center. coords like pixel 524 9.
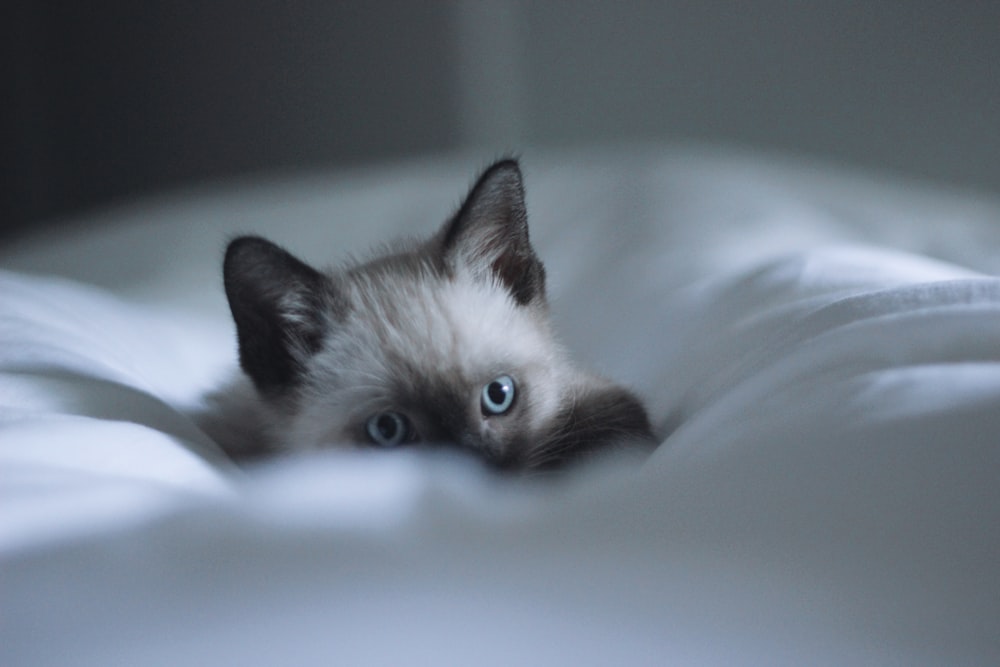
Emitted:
pixel 490 451
pixel 471 441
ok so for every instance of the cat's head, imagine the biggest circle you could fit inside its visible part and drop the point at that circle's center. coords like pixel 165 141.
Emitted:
pixel 441 342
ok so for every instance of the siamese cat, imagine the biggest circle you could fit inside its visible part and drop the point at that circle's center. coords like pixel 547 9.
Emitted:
pixel 443 342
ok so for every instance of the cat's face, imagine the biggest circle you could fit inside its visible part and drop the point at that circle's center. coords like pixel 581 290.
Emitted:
pixel 443 342
pixel 414 356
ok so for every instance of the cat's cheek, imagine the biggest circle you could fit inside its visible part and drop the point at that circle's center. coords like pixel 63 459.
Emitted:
pixel 541 400
pixel 306 433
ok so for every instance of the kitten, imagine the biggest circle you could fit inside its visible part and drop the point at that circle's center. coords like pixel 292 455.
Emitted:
pixel 445 341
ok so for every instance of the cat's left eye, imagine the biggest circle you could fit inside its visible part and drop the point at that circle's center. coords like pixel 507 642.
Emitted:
pixel 388 429
pixel 498 396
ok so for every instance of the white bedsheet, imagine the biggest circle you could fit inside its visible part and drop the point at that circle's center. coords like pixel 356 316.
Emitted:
pixel 822 348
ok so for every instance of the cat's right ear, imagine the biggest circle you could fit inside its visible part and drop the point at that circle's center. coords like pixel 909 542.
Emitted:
pixel 277 304
pixel 489 234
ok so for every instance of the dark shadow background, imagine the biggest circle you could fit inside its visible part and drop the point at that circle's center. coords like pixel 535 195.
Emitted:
pixel 126 98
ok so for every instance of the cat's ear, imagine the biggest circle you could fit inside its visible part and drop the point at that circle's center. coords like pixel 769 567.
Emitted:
pixel 277 303
pixel 489 234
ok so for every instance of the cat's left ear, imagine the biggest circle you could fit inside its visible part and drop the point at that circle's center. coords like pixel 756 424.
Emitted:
pixel 277 303
pixel 489 234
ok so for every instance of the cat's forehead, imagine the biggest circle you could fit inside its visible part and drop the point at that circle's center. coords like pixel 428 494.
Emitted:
pixel 432 317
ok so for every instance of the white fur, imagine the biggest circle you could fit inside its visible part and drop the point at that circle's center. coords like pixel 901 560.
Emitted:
pixel 463 330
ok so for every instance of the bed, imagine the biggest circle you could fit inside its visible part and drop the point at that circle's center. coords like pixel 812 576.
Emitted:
pixel 818 346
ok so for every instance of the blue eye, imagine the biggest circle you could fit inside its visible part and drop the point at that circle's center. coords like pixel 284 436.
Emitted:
pixel 388 429
pixel 498 396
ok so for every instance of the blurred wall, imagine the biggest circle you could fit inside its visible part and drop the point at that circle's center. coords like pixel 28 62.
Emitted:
pixel 125 98
pixel 909 85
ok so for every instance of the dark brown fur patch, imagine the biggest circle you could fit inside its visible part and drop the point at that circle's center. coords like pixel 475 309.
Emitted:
pixel 595 422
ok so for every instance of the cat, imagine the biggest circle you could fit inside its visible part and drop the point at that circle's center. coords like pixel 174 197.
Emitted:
pixel 446 341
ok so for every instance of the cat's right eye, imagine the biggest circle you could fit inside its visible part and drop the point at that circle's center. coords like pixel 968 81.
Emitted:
pixel 388 429
pixel 498 396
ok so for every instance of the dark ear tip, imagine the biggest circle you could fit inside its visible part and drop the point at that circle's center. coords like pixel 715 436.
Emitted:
pixel 507 168
pixel 246 255
pixel 246 241
pixel 243 247
pixel 506 162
